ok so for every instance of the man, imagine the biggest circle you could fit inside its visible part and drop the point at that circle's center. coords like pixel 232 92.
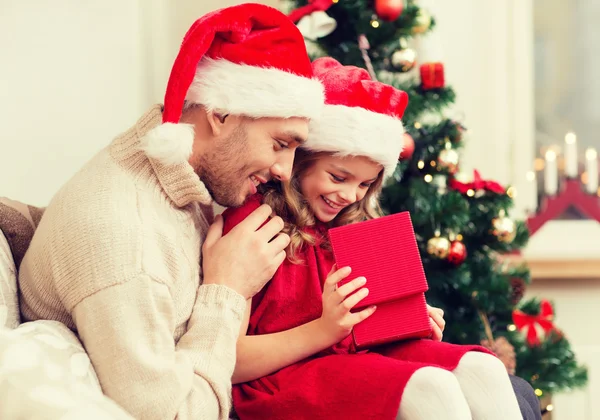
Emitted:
pixel 124 255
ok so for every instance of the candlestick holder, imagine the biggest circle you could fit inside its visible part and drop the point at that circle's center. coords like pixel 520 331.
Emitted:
pixel 570 196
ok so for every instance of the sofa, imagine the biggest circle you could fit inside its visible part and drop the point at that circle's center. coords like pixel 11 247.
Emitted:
pixel 44 371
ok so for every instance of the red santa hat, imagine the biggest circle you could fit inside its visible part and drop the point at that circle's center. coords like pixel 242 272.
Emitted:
pixel 246 60
pixel 361 117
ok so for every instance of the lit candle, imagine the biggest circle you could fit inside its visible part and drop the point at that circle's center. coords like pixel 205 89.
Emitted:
pixel 551 173
pixel 571 169
pixel 591 167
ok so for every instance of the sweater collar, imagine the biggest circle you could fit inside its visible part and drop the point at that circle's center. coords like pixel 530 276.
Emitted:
pixel 179 181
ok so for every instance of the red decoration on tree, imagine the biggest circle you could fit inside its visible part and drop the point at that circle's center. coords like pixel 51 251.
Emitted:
pixel 389 10
pixel 458 253
pixel 409 147
pixel 477 184
pixel 432 76
pixel 535 325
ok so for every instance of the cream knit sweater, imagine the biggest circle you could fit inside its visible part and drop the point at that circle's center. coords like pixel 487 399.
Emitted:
pixel 116 257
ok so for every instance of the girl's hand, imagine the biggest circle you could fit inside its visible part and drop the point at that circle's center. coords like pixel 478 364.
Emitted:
pixel 337 320
pixel 436 318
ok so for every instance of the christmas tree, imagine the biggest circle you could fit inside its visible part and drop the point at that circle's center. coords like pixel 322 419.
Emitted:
pixel 462 222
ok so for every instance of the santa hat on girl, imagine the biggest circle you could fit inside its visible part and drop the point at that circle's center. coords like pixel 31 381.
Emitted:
pixel 361 117
pixel 246 60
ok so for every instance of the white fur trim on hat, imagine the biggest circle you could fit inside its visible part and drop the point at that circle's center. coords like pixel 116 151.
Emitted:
pixel 256 92
pixel 169 143
pixel 356 131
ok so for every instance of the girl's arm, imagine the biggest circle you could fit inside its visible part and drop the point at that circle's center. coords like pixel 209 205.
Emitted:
pixel 261 355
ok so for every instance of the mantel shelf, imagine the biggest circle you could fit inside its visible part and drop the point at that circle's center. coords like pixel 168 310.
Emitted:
pixel 561 269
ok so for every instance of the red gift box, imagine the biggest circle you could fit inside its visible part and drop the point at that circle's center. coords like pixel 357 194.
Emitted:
pixel 432 76
pixel 385 252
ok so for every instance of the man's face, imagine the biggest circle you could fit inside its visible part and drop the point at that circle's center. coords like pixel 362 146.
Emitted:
pixel 248 152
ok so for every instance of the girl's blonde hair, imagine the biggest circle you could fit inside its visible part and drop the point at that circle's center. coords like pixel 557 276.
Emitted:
pixel 287 201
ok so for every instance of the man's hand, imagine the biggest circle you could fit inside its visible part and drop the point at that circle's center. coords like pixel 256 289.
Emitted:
pixel 248 256
pixel 436 318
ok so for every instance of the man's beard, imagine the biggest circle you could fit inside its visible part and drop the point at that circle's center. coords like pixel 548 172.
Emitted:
pixel 223 170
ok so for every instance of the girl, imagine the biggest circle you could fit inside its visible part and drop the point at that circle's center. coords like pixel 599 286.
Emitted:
pixel 295 358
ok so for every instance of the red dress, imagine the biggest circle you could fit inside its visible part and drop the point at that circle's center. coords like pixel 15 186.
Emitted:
pixel 336 383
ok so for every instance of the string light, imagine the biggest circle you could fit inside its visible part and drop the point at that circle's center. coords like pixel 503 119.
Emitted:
pixel 375 23
pixel 428 178
pixel 459 237
pixel 512 327
pixel 420 164
pixel 511 192
pixel 418 125
pixel 432 163
pixel 549 407
pixel 470 192
pixel 334 1
pixel 539 392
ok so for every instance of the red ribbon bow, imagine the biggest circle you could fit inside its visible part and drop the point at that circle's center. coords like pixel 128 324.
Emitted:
pixel 477 184
pixel 312 6
pixel 532 323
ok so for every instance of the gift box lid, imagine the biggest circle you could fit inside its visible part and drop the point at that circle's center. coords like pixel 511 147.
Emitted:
pixel 385 252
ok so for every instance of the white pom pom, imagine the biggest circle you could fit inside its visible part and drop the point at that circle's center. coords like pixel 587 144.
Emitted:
pixel 169 143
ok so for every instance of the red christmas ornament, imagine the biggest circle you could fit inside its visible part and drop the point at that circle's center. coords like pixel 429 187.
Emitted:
pixel 389 10
pixel 432 76
pixel 458 253
pixel 408 148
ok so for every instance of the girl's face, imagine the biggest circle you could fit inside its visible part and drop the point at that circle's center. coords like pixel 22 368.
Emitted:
pixel 333 183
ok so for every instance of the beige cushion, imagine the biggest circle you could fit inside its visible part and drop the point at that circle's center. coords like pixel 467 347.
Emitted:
pixel 9 304
pixel 18 222
pixel 46 374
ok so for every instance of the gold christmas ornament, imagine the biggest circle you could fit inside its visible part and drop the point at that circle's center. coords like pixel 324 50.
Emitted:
pixel 438 247
pixel 504 229
pixel 422 21
pixel 404 60
pixel 448 159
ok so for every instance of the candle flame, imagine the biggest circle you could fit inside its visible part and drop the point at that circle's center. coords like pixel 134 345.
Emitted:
pixel 551 155
pixel 570 138
pixel 591 154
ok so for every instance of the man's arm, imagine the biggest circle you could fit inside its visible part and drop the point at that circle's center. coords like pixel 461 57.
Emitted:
pixel 127 330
